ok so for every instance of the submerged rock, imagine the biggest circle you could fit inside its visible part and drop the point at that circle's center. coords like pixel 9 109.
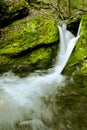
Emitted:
pixel 27 45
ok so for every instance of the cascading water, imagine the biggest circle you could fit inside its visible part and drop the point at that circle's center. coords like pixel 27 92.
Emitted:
pixel 22 105
pixel 67 43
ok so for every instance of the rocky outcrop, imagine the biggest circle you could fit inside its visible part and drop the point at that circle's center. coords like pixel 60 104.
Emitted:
pixel 27 45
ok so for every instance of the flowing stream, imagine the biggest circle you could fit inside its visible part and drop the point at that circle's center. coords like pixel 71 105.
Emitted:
pixel 22 100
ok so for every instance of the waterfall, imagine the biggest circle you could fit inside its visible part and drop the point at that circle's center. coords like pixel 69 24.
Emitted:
pixel 22 100
pixel 67 43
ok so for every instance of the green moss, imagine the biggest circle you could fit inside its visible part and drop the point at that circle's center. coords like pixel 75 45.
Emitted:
pixel 39 57
pixel 41 30
pixel 18 5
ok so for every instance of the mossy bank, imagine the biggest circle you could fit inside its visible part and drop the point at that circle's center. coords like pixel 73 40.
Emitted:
pixel 71 100
pixel 27 45
pixel 77 64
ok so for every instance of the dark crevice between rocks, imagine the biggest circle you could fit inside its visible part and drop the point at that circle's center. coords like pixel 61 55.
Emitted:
pixel 30 49
pixel 23 70
pixel 73 25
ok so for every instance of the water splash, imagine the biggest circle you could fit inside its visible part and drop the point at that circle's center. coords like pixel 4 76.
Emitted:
pixel 22 105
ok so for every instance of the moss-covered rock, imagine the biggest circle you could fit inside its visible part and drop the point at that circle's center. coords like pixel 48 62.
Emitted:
pixel 29 45
pixel 12 10
pixel 77 64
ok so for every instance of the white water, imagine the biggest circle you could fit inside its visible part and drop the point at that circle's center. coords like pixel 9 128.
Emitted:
pixel 22 105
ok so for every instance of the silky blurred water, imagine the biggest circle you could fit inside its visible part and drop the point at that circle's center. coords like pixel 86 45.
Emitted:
pixel 22 104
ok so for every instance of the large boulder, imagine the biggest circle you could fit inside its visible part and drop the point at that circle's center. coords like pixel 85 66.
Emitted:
pixel 11 10
pixel 77 64
pixel 27 45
